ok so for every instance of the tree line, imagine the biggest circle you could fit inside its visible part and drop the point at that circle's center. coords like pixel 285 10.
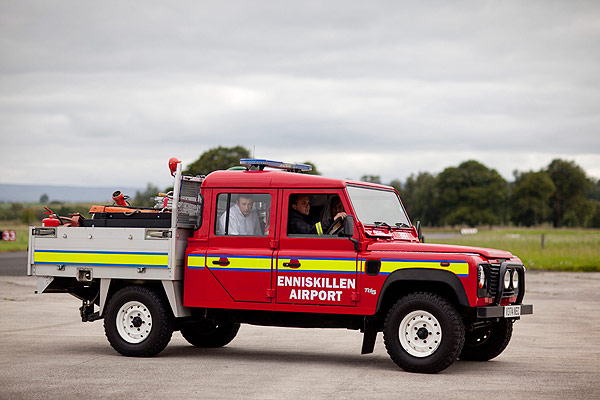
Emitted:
pixel 472 194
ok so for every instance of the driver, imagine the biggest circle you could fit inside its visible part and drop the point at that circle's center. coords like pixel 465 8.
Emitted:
pixel 299 221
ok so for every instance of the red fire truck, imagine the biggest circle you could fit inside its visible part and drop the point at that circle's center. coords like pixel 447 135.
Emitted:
pixel 261 245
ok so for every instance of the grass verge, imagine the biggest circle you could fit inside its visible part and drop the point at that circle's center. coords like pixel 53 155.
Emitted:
pixel 565 249
pixel 22 236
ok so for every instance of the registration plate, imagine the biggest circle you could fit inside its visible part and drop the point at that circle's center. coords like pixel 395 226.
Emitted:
pixel 512 311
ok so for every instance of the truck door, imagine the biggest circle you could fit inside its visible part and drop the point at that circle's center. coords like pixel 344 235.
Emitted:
pixel 315 268
pixel 240 242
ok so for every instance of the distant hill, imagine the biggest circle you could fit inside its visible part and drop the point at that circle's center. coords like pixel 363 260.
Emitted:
pixel 32 193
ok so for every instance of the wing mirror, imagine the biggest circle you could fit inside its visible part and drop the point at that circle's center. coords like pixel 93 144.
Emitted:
pixel 349 230
pixel 349 226
pixel 420 233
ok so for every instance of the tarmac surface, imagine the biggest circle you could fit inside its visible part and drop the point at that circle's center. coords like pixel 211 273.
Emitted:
pixel 13 263
pixel 47 353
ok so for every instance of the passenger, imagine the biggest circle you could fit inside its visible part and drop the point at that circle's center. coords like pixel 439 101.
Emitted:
pixel 299 221
pixel 243 219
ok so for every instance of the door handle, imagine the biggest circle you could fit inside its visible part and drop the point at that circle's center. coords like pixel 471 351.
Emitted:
pixel 222 262
pixel 295 264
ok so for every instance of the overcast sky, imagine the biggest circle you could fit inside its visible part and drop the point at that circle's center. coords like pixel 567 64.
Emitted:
pixel 103 93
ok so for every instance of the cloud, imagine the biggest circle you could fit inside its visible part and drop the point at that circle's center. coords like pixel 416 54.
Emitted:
pixel 105 95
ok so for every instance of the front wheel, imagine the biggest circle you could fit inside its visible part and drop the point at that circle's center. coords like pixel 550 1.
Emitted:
pixel 485 343
pixel 206 333
pixel 138 322
pixel 423 332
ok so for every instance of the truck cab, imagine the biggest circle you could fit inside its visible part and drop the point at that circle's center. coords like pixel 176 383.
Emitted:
pixel 263 246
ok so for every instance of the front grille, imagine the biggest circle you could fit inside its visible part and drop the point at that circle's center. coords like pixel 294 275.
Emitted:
pixel 495 280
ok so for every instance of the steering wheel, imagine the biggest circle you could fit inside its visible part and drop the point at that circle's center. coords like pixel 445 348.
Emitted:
pixel 331 231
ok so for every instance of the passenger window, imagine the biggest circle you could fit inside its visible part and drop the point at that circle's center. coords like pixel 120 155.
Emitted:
pixel 313 214
pixel 242 214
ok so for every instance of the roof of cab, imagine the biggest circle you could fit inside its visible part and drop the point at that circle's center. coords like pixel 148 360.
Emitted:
pixel 276 179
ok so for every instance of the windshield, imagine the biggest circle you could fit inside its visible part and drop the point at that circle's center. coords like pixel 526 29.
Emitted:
pixel 378 207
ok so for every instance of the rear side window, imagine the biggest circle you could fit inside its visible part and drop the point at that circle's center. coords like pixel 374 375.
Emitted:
pixel 242 214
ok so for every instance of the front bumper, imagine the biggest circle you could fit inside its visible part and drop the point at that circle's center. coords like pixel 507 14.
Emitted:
pixel 498 311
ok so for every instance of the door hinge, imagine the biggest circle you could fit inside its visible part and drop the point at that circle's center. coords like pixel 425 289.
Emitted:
pixel 274 244
pixel 355 296
pixel 270 293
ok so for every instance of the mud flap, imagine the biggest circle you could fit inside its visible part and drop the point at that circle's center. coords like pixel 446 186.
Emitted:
pixel 370 336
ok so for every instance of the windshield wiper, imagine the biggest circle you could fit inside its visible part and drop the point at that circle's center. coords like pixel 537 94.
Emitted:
pixel 378 224
pixel 402 225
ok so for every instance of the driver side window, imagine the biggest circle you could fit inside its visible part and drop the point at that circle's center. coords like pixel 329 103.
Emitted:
pixel 312 214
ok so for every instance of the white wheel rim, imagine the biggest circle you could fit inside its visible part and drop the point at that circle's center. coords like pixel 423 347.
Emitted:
pixel 134 322
pixel 420 333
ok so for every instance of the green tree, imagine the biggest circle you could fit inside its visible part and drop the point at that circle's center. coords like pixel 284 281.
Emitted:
pixel 421 199
pixel 530 198
pixel 314 170
pixel 14 212
pixel 44 198
pixel 581 212
pixel 216 159
pixel 472 194
pixel 594 195
pixel 568 203
pixel 594 191
pixel 371 178
pixel 396 184
pixel 145 198
pixel 595 221
pixel 28 216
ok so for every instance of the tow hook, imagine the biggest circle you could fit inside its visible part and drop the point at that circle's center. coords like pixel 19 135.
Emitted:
pixel 87 312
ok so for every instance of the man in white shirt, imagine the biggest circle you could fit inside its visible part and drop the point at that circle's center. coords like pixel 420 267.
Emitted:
pixel 243 220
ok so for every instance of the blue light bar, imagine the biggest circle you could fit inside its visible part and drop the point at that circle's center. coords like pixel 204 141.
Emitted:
pixel 275 164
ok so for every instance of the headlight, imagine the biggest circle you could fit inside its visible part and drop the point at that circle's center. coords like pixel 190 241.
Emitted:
pixel 507 279
pixel 515 279
pixel 481 273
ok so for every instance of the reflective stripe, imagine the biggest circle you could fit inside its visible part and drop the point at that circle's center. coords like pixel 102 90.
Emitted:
pixel 460 268
pixel 196 261
pixel 124 259
pixel 238 263
pixel 319 228
pixel 320 265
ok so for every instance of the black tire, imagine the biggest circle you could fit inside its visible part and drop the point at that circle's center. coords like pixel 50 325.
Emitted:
pixel 488 342
pixel 149 324
pixel 207 333
pixel 424 317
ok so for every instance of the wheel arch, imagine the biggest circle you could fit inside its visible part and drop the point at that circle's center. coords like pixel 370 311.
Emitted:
pixel 171 290
pixel 409 280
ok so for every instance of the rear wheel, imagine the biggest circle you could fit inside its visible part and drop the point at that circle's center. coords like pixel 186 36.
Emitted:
pixel 485 343
pixel 206 333
pixel 423 332
pixel 138 322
